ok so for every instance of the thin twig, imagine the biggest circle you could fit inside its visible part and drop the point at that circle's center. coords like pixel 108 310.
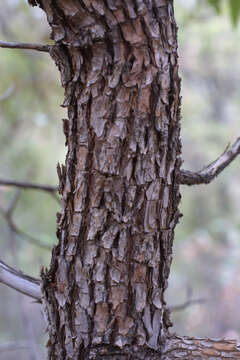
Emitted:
pixel 13 203
pixel 28 185
pixel 186 304
pixel 7 214
pixel 24 284
pixel 25 46
pixel 189 301
pixel 7 93
pixel 207 174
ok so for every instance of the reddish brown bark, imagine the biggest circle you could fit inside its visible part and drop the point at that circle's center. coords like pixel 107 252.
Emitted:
pixel 104 291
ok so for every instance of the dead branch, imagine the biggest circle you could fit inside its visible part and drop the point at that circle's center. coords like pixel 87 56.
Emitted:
pixel 28 186
pixel 207 174
pixel 25 46
pixel 24 284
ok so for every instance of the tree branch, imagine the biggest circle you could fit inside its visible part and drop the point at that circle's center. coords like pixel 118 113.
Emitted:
pixel 28 185
pixel 24 284
pixel 183 347
pixel 207 174
pixel 25 46
pixel 8 215
pixel 188 302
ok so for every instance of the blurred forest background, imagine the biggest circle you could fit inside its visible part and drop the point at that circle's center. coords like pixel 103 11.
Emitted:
pixel 207 245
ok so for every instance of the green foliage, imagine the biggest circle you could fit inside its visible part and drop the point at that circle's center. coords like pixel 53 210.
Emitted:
pixel 234 9
pixel 216 4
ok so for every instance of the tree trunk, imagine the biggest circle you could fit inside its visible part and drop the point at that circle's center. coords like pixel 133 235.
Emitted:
pixel 105 287
pixel 104 291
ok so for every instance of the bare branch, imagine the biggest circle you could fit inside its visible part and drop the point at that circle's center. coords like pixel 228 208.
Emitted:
pixel 186 304
pixel 189 301
pixel 7 93
pixel 25 46
pixel 207 174
pixel 24 284
pixel 28 185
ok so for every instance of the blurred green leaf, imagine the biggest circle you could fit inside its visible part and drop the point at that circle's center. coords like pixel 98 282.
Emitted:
pixel 216 4
pixel 234 10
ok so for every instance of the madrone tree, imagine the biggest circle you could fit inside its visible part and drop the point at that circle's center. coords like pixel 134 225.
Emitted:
pixel 103 294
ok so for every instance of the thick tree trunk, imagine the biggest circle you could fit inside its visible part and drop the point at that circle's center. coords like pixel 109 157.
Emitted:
pixel 105 288
pixel 104 291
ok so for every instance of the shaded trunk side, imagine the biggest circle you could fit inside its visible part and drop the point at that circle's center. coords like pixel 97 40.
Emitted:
pixel 104 291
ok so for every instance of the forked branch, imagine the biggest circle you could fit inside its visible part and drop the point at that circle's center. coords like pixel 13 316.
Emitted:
pixel 24 284
pixel 25 46
pixel 207 174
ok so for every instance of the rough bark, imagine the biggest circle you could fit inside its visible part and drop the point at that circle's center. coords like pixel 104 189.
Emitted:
pixel 177 347
pixel 104 291
pixel 118 63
